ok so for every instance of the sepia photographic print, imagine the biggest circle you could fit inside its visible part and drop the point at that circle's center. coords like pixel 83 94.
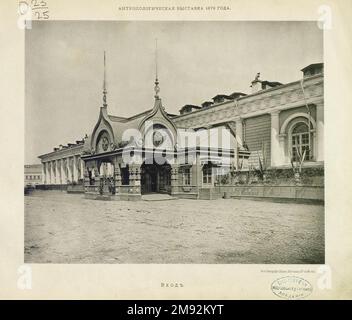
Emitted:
pixel 174 142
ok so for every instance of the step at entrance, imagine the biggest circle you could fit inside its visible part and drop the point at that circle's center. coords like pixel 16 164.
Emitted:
pixel 157 197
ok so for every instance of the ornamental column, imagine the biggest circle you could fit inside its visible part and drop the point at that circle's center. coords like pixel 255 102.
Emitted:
pixel 198 172
pixel 53 171
pixel 69 170
pixel 117 176
pixel 276 150
pixel 60 170
pixel 135 182
pixel 48 170
pixel 52 176
pixel 174 179
pixel 82 169
pixel 53 181
pixel 43 173
pixel 63 171
pixel 75 171
pixel 320 132
pixel 86 182
pixel 57 172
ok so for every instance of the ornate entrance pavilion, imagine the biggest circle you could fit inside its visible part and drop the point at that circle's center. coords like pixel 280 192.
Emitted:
pixel 125 158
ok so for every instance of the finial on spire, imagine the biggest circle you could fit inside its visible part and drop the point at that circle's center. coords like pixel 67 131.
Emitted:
pixel 156 88
pixel 104 84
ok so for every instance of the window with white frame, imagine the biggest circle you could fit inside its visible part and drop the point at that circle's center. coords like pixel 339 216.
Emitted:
pixel 301 142
pixel 207 174
pixel 187 176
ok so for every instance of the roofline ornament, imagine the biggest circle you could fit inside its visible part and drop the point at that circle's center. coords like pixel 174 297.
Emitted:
pixel 104 84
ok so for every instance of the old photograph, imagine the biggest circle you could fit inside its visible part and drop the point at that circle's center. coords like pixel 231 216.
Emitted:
pixel 174 142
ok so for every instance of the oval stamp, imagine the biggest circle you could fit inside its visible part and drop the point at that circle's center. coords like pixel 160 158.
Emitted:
pixel 291 287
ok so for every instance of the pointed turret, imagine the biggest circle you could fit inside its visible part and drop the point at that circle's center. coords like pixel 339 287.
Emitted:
pixel 157 103
pixel 158 110
pixel 104 85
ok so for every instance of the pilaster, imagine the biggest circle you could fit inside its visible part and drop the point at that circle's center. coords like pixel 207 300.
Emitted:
pixel 320 132
pixel 277 152
pixel 174 179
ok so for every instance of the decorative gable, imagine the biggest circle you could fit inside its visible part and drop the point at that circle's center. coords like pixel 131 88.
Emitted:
pixel 158 123
pixel 103 139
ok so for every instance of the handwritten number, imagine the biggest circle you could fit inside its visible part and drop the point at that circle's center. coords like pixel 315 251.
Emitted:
pixel 46 14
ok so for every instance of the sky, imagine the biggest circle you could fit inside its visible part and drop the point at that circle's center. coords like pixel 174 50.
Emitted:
pixel 196 60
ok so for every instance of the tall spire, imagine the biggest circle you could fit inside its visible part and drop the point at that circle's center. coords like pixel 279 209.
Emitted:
pixel 104 84
pixel 156 88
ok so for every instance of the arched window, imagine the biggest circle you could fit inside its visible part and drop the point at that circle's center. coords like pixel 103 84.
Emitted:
pixel 294 132
pixel 301 142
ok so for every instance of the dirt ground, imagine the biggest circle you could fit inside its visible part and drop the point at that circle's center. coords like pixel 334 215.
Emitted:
pixel 66 228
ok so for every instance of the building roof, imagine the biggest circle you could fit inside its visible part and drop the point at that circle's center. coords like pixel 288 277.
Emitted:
pixel 64 147
pixel 222 96
pixel 128 119
pixel 207 103
pixel 235 95
pixel 312 65
pixel 271 83
pixel 116 118
pixel 259 92
pixel 186 106
pixel 136 116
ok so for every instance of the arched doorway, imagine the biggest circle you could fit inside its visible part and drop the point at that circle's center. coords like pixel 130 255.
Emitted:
pixel 106 177
pixel 155 178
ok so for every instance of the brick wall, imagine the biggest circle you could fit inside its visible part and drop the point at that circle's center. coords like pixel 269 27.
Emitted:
pixel 257 130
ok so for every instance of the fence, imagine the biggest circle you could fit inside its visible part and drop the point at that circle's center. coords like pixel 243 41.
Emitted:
pixel 295 193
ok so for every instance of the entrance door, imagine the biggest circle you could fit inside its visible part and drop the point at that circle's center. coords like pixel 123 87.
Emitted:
pixel 155 178
pixel 149 181
pixel 106 178
pixel 163 179
pixel 148 178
